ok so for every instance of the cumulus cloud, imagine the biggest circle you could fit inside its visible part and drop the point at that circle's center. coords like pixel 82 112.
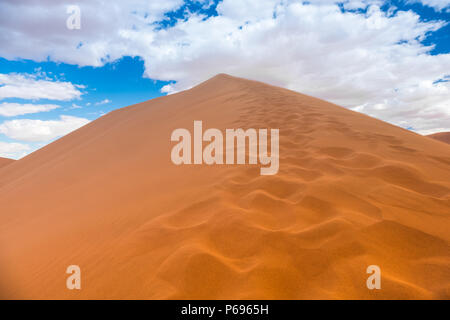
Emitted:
pixel 17 109
pixel 169 89
pixel 13 150
pixel 371 61
pixel 29 86
pixel 37 30
pixel 40 130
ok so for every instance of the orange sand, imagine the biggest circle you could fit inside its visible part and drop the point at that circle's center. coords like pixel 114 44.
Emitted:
pixel 441 136
pixel 5 161
pixel 352 191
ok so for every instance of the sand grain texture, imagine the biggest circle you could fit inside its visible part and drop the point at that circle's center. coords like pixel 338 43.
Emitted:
pixel 352 191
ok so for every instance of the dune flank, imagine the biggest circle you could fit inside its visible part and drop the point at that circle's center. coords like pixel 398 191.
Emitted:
pixel 5 161
pixel 351 191
pixel 441 136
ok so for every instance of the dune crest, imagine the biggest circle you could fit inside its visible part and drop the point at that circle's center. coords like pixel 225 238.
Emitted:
pixel 351 191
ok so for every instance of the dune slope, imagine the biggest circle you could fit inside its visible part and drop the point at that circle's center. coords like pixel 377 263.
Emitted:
pixel 5 161
pixel 352 191
pixel 441 136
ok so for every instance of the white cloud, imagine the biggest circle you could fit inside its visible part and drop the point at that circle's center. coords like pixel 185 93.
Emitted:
pixel 169 89
pixel 353 59
pixel 13 150
pixel 40 130
pixel 436 4
pixel 105 101
pixel 28 86
pixel 37 29
pixel 373 62
pixel 16 109
pixel 75 106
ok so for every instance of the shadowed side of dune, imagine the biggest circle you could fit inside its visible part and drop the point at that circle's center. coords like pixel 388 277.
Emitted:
pixel 352 191
pixel 441 136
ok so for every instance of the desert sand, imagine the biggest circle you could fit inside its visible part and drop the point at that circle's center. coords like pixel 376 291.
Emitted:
pixel 5 161
pixel 441 136
pixel 351 191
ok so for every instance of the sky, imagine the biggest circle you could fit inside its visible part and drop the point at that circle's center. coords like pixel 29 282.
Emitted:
pixel 63 66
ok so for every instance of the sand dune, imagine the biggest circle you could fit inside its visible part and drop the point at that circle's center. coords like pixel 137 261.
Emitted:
pixel 5 161
pixel 351 191
pixel 441 136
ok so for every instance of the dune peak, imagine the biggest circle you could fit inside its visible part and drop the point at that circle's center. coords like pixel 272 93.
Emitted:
pixel 351 192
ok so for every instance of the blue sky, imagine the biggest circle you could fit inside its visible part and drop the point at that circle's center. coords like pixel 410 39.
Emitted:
pixel 114 85
pixel 388 59
pixel 120 82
